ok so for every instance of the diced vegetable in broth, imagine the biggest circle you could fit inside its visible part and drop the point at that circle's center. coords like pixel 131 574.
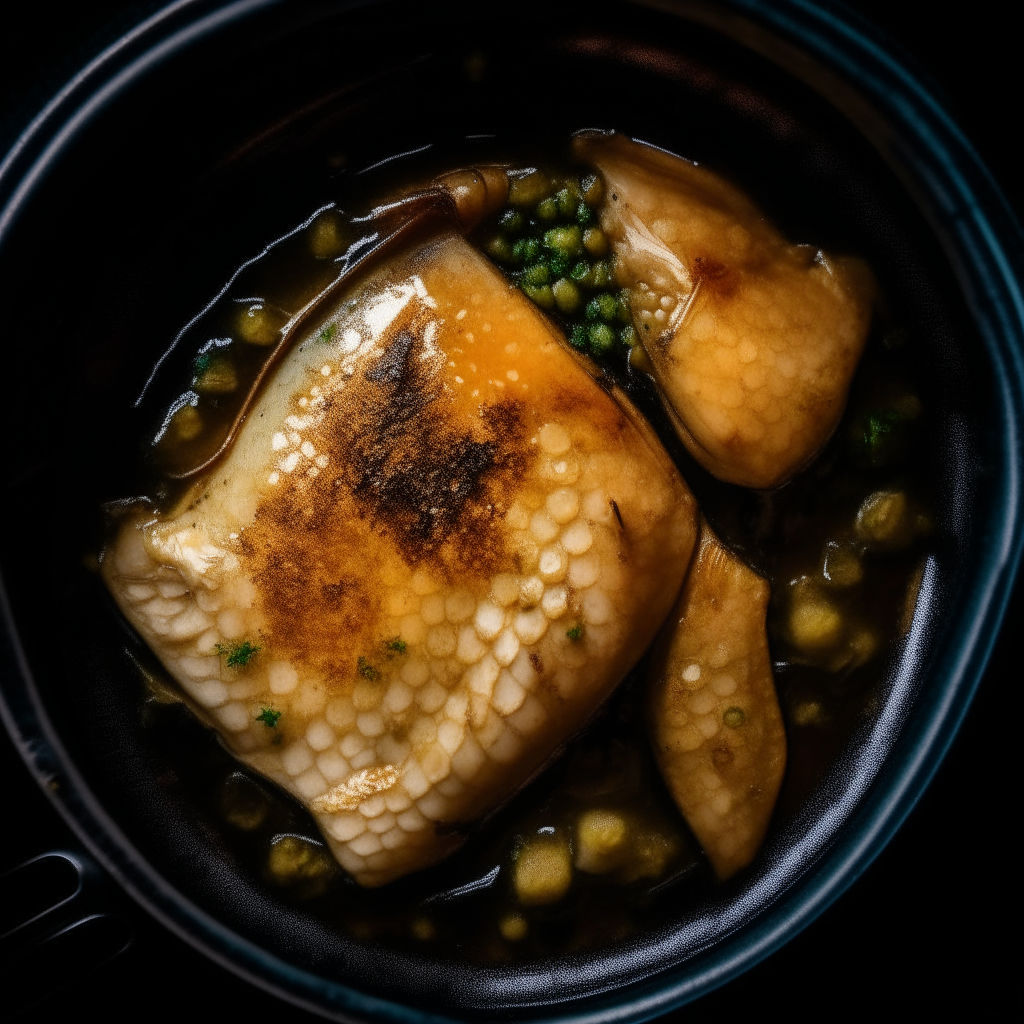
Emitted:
pixel 435 547
pixel 753 340
pixel 715 719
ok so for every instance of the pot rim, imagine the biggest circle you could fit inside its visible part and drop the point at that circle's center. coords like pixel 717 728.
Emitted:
pixel 829 48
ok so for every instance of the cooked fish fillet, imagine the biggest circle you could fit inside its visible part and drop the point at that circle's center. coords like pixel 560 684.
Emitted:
pixel 753 340
pixel 447 542
pixel 715 720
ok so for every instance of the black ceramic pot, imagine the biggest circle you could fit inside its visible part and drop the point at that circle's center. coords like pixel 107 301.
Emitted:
pixel 215 127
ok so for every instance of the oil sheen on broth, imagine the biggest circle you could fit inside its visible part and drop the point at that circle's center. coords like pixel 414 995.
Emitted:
pixel 517 524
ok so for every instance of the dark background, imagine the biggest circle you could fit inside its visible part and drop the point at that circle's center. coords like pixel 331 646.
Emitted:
pixel 923 931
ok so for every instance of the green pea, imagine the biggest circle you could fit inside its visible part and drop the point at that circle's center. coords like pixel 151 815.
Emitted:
pixel 578 337
pixel 602 307
pixel 602 274
pixel 567 242
pixel 584 216
pixel 567 295
pixel 568 199
pixel 595 241
pixel 538 274
pixel 512 221
pixel 581 271
pixel 500 248
pixel 526 250
pixel 601 338
pixel 559 265
pixel 592 188
pixel 541 294
pixel 529 189
pixel 628 337
pixel 547 210
pixel 622 307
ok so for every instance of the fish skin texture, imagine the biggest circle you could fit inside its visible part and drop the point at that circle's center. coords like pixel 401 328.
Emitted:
pixel 753 340
pixel 714 716
pixel 416 515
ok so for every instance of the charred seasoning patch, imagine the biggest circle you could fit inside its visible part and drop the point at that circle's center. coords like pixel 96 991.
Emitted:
pixel 308 572
pixel 420 477
pixel 414 483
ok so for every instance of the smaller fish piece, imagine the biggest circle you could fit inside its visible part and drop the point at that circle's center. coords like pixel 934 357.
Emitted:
pixel 715 722
pixel 753 340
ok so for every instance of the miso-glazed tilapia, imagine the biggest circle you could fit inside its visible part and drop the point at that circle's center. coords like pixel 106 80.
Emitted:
pixel 422 539
pixel 434 549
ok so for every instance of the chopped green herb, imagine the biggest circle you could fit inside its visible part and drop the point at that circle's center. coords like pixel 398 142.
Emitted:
pixel 327 334
pixel 269 717
pixel 396 644
pixel 365 669
pixel 575 633
pixel 880 425
pixel 239 653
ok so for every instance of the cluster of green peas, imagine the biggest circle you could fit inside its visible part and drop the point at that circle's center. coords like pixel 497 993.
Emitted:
pixel 549 241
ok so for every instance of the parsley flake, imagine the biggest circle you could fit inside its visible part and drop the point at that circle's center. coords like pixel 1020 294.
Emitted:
pixel 575 633
pixel 396 644
pixel 880 426
pixel 366 670
pixel 269 717
pixel 239 654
